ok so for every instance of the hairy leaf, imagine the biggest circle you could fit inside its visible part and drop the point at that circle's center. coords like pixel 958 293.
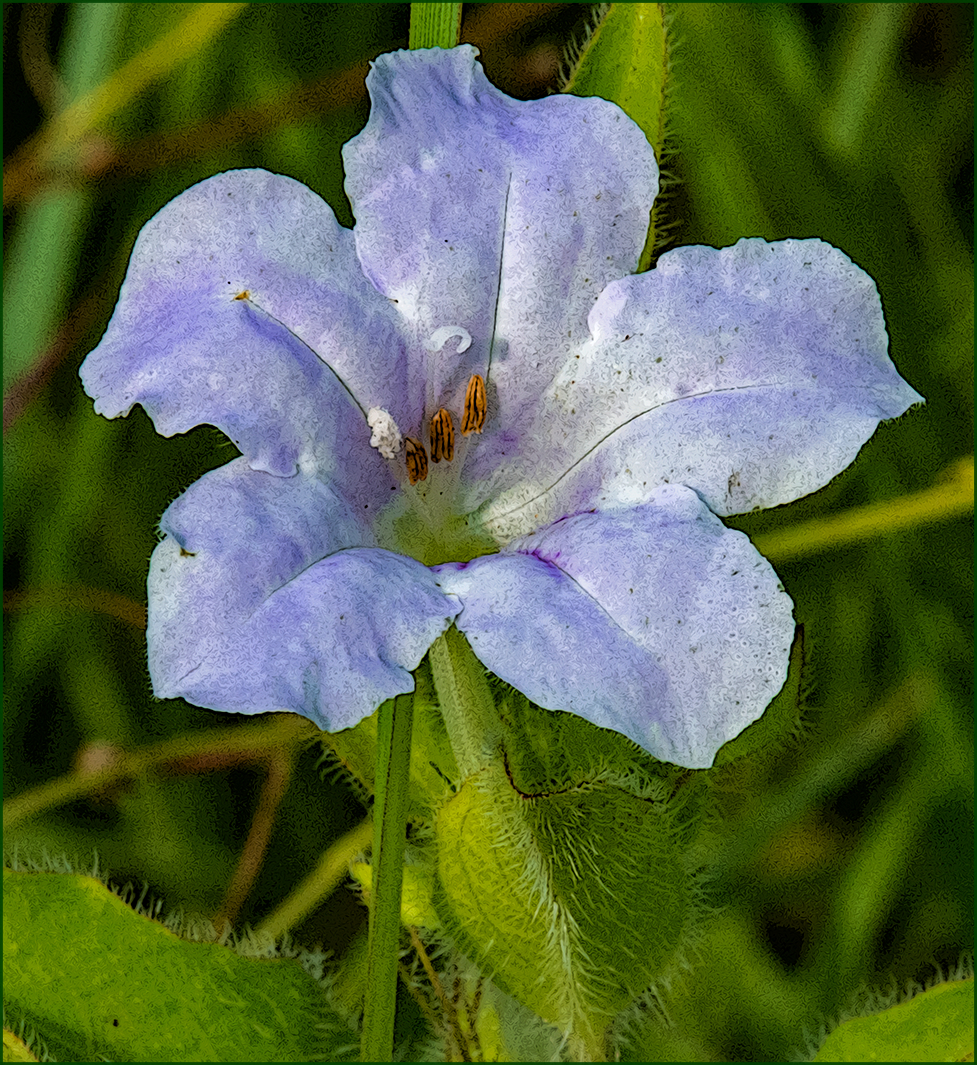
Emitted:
pixel 936 1025
pixel 99 981
pixel 574 900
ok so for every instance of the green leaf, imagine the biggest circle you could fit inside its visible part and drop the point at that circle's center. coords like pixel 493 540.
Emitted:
pixel 935 1025
pixel 626 60
pixel 572 900
pixel 14 1048
pixel 99 981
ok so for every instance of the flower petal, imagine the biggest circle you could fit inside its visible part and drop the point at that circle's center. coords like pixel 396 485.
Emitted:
pixel 657 622
pixel 233 289
pixel 499 216
pixel 753 374
pixel 268 594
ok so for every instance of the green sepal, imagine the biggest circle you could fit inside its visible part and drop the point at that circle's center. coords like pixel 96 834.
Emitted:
pixel 98 981
pixel 935 1025
pixel 551 749
pixel 573 900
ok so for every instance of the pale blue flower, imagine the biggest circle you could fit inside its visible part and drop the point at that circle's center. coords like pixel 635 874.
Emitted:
pixel 575 538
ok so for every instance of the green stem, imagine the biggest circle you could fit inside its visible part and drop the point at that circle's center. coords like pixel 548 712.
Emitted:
pixel 331 869
pixel 389 831
pixel 467 706
pixel 434 25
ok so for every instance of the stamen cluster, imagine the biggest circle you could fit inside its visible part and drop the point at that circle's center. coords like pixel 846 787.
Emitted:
pixel 442 431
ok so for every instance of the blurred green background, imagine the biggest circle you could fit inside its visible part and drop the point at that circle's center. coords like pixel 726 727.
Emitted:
pixel 847 861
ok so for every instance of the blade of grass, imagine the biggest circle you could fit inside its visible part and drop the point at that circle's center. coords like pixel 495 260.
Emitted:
pixel 44 252
pixel 951 499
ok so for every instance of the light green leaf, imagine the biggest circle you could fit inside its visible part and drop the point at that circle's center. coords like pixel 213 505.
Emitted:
pixel 99 981
pixel 14 1048
pixel 626 60
pixel 573 900
pixel 935 1025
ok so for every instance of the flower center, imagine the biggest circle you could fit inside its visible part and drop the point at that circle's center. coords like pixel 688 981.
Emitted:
pixel 425 521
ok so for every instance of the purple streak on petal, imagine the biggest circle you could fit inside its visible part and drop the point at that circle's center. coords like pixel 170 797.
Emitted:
pixel 455 184
pixel 657 622
pixel 267 235
pixel 268 594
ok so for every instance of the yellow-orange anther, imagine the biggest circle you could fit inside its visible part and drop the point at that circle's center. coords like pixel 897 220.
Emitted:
pixel 442 437
pixel 475 406
pixel 416 460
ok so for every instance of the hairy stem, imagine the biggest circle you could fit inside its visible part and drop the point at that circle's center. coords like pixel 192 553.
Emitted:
pixel 467 706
